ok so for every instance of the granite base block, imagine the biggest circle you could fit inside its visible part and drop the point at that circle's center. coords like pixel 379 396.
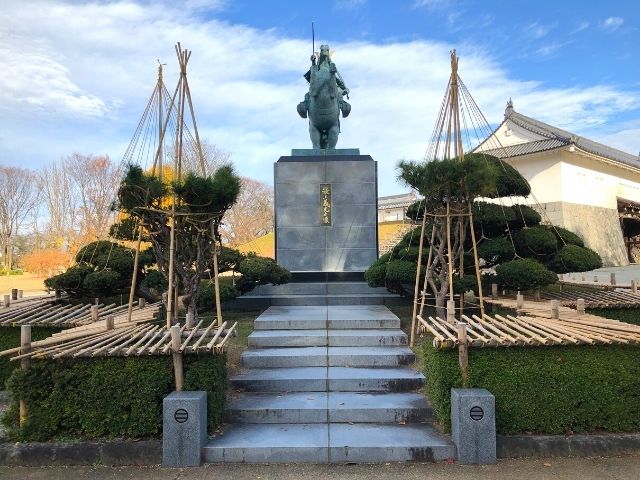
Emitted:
pixel 473 425
pixel 184 428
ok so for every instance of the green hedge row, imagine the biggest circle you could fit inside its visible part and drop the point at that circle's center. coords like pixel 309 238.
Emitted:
pixel 108 397
pixel 10 338
pixel 628 315
pixel 553 390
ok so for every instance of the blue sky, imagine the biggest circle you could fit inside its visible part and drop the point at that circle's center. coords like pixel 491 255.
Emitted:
pixel 77 75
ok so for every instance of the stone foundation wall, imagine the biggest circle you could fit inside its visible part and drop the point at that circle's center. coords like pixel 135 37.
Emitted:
pixel 599 228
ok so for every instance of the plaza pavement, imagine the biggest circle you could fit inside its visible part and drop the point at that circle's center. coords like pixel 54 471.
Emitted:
pixel 598 468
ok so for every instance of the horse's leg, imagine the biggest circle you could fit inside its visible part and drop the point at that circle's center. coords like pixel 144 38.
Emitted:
pixel 314 133
pixel 332 136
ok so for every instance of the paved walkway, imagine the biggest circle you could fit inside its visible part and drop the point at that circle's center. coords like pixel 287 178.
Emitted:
pixel 618 468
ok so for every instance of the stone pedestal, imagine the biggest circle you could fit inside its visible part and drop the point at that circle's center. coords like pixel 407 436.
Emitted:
pixel 473 425
pixel 184 428
pixel 309 240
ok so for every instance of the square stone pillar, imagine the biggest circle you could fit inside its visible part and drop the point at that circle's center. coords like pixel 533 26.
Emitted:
pixel 473 425
pixel 326 211
pixel 184 428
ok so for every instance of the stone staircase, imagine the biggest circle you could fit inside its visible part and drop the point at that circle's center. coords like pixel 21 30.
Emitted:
pixel 316 294
pixel 328 384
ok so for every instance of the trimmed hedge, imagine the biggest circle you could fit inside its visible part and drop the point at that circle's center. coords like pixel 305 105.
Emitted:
pixel 10 338
pixel 93 398
pixel 552 390
pixel 628 315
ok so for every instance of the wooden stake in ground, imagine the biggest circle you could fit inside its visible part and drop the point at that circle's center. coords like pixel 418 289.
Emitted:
pixel 25 347
pixel 463 353
pixel 177 356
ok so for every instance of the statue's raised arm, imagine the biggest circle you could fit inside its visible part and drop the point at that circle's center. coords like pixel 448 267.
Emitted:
pixel 324 101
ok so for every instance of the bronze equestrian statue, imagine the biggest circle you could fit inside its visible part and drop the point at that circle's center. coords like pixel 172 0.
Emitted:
pixel 324 101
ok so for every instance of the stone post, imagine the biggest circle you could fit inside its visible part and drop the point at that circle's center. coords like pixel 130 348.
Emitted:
pixel 494 290
pixel 473 425
pixel 94 313
pixel 580 306
pixel 613 278
pixel 20 293
pixel 634 286
pixel 14 294
pixel 142 302
pixel 184 428
pixel 519 301
pixel 6 301
pixel 555 309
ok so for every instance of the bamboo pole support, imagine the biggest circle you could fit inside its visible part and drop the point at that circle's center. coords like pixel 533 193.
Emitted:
pixel 449 252
pixel 555 309
pixel 25 347
pixel 216 280
pixel 463 353
pixel 416 288
pixel 177 356
pixel 580 306
pixel 451 312
pixel 476 260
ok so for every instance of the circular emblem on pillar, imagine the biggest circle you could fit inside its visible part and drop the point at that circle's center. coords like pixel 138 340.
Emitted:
pixel 476 413
pixel 181 415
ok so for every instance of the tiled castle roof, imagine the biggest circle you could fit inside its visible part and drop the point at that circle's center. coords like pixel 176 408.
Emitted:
pixel 557 138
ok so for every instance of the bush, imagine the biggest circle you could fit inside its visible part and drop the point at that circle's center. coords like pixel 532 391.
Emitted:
pixel 260 271
pixel 401 272
pixel 524 274
pixel 628 315
pixel 156 280
pixel 525 216
pixel 496 250
pixel 551 390
pixel 535 241
pixel 10 338
pixel 572 258
pixel 107 397
pixel 375 275
pixel 565 236
pixel 206 295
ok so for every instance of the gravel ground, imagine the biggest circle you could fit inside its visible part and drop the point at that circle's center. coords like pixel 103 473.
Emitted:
pixel 600 468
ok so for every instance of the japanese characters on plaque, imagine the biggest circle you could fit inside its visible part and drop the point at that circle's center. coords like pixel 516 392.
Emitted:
pixel 325 202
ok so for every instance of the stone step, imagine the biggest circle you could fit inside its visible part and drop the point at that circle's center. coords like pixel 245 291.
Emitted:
pixel 327 356
pixel 332 299
pixel 317 288
pixel 331 317
pixel 321 338
pixel 322 379
pixel 323 407
pixel 327 443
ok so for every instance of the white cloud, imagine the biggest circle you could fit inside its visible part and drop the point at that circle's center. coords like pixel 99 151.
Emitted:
pixel 613 23
pixel 349 4
pixel 536 30
pixel 93 66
